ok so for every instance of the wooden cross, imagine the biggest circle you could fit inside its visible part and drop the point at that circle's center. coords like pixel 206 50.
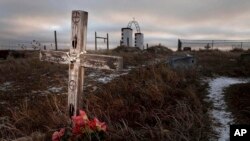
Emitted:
pixel 77 58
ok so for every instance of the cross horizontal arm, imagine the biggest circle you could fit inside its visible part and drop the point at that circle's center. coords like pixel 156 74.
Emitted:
pixel 54 56
pixel 101 61
pixel 86 60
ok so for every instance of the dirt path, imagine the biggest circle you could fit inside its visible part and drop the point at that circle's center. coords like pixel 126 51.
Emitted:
pixel 221 117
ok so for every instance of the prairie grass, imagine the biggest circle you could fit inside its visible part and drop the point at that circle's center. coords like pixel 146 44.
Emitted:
pixel 212 63
pixel 237 98
pixel 136 57
pixel 150 103
pixel 24 112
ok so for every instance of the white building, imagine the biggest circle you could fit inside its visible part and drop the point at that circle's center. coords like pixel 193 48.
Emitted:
pixel 127 39
pixel 139 40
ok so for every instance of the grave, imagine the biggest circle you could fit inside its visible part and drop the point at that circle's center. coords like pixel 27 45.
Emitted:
pixel 78 59
pixel 182 62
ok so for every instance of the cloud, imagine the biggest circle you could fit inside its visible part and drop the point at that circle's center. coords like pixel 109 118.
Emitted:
pixel 160 20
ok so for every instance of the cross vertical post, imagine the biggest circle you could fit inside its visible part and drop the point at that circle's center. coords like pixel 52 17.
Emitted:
pixel 76 72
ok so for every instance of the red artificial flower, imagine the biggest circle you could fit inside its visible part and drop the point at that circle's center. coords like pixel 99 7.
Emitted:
pixel 95 124
pixel 76 130
pixel 80 120
pixel 92 125
pixel 84 115
pixel 57 135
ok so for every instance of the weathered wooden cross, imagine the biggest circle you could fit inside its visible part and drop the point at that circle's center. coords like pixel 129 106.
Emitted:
pixel 77 58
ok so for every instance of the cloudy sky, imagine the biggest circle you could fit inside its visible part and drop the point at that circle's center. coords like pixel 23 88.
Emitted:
pixel 161 21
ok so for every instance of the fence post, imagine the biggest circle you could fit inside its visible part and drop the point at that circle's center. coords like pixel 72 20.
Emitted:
pixel 55 40
pixel 107 41
pixel 95 42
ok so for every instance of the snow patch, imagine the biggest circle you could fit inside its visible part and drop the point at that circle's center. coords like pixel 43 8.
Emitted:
pixel 55 89
pixel 104 79
pixel 92 74
pixel 219 114
pixel 5 86
pixel 108 78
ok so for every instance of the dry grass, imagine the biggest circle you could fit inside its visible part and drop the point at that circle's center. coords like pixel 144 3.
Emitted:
pixel 136 57
pixel 150 103
pixel 237 98
pixel 24 111
pixel 222 63
pixel 42 114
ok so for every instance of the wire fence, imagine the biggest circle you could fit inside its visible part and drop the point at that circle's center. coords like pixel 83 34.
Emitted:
pixel 31 45
pixel 194 44
pixel 214 44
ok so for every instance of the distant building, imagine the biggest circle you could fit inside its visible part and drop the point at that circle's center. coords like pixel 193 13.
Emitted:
pixel 127 39
pixel 127 36
pixel 139 40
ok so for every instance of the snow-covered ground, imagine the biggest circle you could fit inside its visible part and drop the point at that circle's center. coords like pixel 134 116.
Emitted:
pixel 101 77
pixel 110 77
pixel 220 116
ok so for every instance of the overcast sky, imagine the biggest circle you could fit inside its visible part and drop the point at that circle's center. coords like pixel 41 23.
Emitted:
pixel 160 20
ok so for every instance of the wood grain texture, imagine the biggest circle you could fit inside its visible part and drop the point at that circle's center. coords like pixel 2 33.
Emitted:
pixel 54 56
pixel 101 61
pixel 76 72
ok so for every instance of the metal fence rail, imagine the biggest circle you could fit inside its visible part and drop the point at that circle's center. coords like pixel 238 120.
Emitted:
pixel 215 44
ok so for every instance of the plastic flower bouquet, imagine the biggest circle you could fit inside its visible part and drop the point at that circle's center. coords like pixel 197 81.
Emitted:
pixel 82 129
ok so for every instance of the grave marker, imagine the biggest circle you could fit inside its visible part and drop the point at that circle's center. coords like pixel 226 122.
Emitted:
pixel 78 59
pixel 182 62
